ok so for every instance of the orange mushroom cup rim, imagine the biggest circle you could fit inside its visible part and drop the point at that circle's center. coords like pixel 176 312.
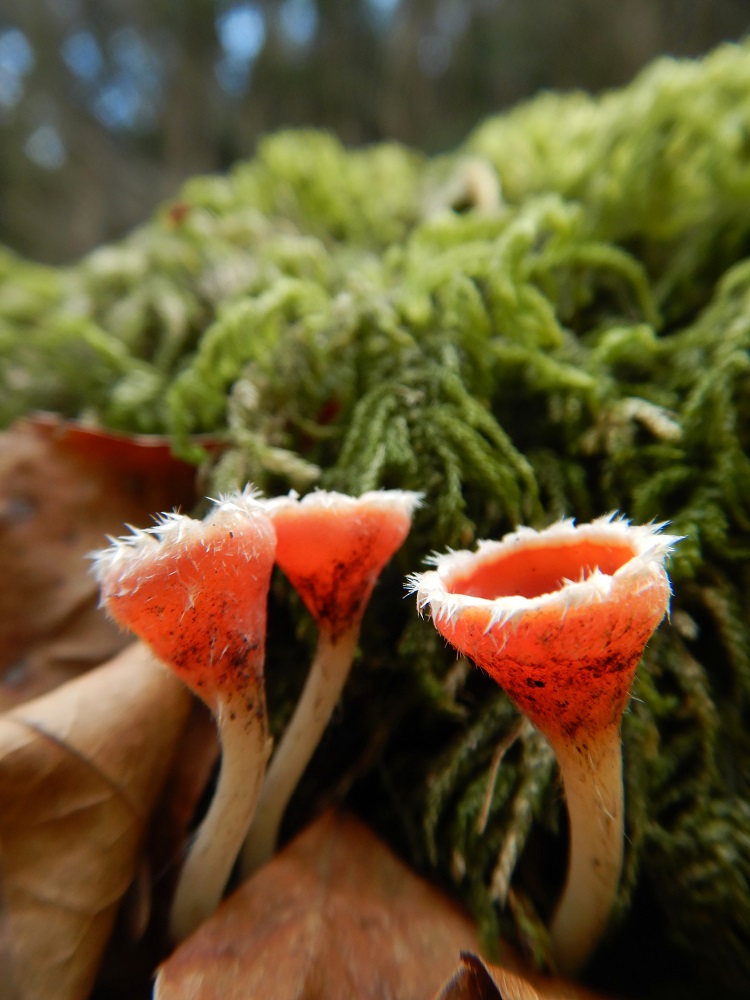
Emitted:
pixel 403 500
pixel 127 555
pixel 449 588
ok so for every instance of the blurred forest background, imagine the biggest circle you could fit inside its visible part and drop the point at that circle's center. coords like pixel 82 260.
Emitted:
pixel 106 106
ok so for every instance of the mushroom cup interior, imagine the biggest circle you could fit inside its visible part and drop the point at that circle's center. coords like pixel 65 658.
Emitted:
pixel 532 571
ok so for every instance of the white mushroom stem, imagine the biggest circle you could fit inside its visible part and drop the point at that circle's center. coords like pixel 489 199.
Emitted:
pixel 322 690
pixel 244 751
pixel 592 777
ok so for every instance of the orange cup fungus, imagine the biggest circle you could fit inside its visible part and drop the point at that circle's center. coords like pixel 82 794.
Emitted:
pixel 559 618
pixel 195 592
pixel 332 547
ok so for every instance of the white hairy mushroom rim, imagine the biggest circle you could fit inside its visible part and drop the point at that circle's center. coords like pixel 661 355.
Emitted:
pixel 196 592
pixel 559 618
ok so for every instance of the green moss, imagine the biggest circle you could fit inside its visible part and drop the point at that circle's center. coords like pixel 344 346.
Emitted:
pixel 580 346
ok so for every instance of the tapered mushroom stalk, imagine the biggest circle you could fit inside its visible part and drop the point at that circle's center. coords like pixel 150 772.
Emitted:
pixel 559 618
pixel 196 593
pixel 332 547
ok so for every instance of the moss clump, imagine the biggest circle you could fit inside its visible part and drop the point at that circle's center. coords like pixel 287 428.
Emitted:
pixel 577 345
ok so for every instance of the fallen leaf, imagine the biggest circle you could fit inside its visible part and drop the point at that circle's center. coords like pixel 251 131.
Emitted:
pixel 475 980
pixel 80 771
pixel 86 639
pixel 146 460
pixel 472 981
pixel 334 916
pixel 63 488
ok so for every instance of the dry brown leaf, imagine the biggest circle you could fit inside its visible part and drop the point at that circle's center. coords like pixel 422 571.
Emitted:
pixel 332 917
pixel 475 980
pixel 63 488
pixel 80 771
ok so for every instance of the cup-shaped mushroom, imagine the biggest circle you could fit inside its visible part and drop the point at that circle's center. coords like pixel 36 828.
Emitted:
pixel 332 547
pixel 196 592
pixel 559 618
